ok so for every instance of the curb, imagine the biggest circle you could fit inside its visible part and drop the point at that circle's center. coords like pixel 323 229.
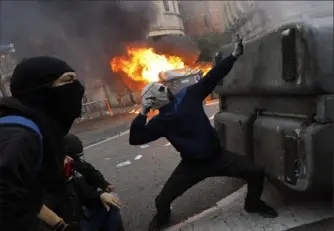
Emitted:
pixel 228 214
pixel 233 196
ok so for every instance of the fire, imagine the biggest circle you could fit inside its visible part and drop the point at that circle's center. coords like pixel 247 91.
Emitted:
pixel 205 68
pixel 144 65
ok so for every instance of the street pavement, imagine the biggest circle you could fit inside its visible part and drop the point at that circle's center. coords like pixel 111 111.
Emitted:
pixel 294 215
pixel 139 182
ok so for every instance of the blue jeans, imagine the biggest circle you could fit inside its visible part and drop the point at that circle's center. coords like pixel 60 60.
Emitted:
pixel 98 218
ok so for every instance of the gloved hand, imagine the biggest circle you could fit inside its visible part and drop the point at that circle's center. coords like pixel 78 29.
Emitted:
pixel 145 110
pixel 238 48
pixel 62 226
pixel 146 106
pixel 110 199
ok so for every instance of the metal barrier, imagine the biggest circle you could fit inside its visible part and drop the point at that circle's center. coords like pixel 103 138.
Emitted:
pixel 95 109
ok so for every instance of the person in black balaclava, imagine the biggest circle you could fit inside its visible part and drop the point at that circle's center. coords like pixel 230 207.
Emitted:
pixel 46 92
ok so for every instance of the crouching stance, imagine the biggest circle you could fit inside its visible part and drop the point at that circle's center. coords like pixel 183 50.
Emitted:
pixel 183 122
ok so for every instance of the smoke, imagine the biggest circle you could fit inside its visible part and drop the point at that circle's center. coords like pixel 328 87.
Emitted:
pixel 87 34
pixel 175 45
pixel 264 16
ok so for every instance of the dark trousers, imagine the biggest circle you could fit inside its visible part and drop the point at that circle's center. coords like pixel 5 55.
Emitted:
pixel 227 164
pixel 99 218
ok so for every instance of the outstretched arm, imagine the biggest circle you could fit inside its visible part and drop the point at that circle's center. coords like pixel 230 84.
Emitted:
pixel 208 83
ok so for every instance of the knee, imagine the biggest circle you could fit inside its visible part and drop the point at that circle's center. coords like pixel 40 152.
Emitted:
pixel 113 212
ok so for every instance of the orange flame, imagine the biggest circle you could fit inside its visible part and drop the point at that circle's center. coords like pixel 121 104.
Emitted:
pixel 144 65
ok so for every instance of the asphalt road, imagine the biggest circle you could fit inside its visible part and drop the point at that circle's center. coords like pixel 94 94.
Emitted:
pixel 140 182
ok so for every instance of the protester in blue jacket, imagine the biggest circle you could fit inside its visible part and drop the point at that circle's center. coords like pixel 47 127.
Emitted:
pixel 183 122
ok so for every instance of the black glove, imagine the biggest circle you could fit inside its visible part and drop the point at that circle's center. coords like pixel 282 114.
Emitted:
pixel 62 226
pixel 145 110
pixel 238 48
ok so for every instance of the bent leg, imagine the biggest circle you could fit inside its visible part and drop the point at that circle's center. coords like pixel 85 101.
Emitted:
pixel 95 218
pixel 184 177
pixel 233 165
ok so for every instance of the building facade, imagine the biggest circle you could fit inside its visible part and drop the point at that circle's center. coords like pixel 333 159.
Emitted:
pixel 253 18
pixel 169 21
pixel 201 17
pixel 244 17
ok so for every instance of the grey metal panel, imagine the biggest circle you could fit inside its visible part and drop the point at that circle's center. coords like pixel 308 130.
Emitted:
pixel 237 132
pixel 325 109
pixel 319 150
pixel 295 154
pixel 259 70
pixel 305 105
pixel 268 140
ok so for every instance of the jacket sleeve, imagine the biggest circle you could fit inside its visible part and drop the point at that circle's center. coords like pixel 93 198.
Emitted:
pixel 142 133
pixel 93 176
pixel 208 83
pixel 88 194
pixel 19 157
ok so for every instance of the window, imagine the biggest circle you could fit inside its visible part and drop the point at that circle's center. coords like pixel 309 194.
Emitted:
pixel 206 20
pixel 166 5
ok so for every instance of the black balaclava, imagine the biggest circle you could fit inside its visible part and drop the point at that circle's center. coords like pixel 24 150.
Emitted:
pixel 73 146
pixel 31 83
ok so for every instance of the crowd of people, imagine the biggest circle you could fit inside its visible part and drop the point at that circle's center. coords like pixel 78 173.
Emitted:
pixel 46 184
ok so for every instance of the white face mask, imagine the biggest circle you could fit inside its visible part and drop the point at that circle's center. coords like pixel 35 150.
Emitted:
pixel 155 95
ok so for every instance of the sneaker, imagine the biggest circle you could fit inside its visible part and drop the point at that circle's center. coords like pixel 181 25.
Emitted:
pixel 262 209
pixel 158 223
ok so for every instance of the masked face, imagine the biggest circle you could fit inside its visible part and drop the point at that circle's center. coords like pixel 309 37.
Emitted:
pixel 49 85
pixel 156 95
pixel 66 97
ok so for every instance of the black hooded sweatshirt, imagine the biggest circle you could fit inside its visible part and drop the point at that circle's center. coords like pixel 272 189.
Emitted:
pixel 22 178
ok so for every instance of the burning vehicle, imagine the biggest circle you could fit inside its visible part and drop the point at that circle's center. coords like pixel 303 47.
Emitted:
pixel 141 65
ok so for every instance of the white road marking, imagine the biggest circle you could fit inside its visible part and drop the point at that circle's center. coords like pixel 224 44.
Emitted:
pixel 168 144
pixel 108 158
pixel 145 146
pixel 107 139
pixel 123 164
pixel 138 157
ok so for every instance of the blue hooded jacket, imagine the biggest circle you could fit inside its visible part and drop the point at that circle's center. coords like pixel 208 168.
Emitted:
pixel 183 121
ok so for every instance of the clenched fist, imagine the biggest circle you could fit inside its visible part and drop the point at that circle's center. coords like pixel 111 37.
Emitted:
pixel 238 48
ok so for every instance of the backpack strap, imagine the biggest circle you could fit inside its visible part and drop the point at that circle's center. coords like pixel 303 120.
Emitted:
pixel 27 123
